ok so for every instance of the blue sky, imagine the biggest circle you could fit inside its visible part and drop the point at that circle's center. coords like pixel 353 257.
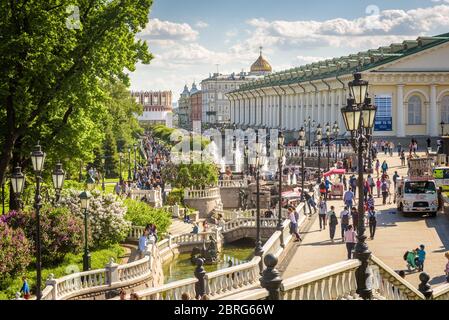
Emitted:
pixel 188 38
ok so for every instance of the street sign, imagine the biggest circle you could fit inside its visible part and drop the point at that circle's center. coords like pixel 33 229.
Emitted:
pixel 383 124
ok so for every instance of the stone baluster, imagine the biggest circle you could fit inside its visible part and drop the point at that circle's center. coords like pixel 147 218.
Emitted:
pixel 51 281
pixel 424 286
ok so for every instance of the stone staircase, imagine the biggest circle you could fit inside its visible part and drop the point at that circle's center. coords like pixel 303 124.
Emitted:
pixel 179 227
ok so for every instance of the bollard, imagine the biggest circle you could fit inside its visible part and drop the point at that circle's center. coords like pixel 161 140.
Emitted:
pixel 424 286
pixel 271 279
pixel 200 273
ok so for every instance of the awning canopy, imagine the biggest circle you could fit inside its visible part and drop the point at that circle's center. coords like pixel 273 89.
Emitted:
pixel 334 172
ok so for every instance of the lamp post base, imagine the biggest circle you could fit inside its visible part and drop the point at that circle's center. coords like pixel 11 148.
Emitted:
pixel 86 261
pixel 363 274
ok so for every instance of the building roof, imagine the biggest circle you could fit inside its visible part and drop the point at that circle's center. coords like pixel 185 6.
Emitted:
pixel 361 61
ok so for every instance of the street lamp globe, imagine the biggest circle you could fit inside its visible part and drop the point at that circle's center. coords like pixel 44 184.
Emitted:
pixel 85 199
pixel 358 88
pixel 18 180
pixel 368 114
pixel 38 159
pixel 328 132
pixel 351 116
pixel 336 128
pixel 301 142
pixel 319 133
pixel 281 140
pixel 58 176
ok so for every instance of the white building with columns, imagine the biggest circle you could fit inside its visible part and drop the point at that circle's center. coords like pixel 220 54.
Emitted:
pixel 409 84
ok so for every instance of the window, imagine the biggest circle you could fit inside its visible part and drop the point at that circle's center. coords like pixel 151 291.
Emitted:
pixel 414 110
pixel 445 109
pixel 383 104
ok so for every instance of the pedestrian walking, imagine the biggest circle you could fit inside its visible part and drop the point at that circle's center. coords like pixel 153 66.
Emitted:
pixel 293 224
pixel 403 158
pixel 350 240
pixel 355 217
pixel 310 202
pixel 370 202
pixel 384 188
pixel 333 222
pixel 322 214
pixel 348 198
pixel 377 167
pixel 421 257
pixel 143 243
pixel 345 183
pixel 378 185
pixel 384 167
pixel 344 218
pixel 372 222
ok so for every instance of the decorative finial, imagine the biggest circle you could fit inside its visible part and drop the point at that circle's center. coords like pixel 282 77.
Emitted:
pixel 260 50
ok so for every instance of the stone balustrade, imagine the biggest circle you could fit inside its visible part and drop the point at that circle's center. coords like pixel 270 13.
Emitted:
pixel 232 184
pixel 388 284
pixel 202 194
pixel 169 291
pixel 329 283
pixel 296 152
pixel 441 292
pixel 153 196
pixel 135 232
pixel 227 281
pixel 249 223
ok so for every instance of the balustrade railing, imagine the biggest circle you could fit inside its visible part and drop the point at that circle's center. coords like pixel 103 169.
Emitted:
pixel 232 183
pixel 202 194
pixel 229 280
pixel 169 291
pixel 333 282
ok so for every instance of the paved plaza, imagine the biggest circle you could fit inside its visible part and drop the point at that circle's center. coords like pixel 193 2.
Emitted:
pixel 395 234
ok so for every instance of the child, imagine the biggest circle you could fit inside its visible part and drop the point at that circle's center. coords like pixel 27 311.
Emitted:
pixel 25 289
pixel 421 257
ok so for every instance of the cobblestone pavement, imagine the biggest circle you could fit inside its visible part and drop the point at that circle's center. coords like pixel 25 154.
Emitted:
pixel 395 234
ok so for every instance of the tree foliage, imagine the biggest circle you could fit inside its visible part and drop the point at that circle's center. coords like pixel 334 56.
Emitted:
pixel 55 81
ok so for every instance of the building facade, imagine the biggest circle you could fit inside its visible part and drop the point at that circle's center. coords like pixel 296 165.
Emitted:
pixel 196 102
pixel 409 84
pixel 216 106
pixel 157 107
pixel 185 110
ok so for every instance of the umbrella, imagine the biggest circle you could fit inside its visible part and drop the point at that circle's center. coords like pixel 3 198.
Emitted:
pixel 335 172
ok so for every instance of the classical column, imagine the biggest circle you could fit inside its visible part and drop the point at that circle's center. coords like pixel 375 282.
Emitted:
pixel 433 112
pixel 341 101
pixel 302 111
pixel 318 100
pixel 400 130
pixel 332 110
pixel 324 107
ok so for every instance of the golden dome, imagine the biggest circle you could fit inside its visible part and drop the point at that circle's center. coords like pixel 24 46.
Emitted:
pixel 261 65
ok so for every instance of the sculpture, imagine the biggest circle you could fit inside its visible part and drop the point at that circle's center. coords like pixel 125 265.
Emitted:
pixel 209 254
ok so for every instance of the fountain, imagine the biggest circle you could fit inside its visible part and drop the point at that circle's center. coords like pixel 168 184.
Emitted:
pixel 209 254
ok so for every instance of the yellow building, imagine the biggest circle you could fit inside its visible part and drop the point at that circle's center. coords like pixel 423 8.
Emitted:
pixel 409 83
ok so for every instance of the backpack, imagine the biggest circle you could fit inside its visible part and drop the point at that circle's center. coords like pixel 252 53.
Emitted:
pixel 405 255
pixel 384 187
pixel 333 220
pixel 345 219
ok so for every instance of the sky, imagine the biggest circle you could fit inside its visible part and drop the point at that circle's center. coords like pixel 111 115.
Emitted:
pixel 191 39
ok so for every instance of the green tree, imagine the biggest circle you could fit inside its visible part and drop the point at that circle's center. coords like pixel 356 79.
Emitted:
pixel 53 79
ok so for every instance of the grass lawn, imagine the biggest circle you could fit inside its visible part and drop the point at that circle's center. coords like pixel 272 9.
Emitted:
pixel 71 263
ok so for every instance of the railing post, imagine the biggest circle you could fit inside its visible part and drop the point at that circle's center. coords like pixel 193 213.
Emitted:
pixel 200 273
pixel 111 272
pixel 271 279
pixel 424 286
pixel 51 281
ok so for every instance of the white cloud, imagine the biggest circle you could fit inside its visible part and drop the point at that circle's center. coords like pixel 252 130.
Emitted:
pixel 166 30
pixel 201 24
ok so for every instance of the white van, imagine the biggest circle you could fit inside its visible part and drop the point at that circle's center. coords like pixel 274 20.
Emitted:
pixel 417 196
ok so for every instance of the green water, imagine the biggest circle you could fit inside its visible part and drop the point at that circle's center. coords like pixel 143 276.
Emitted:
pixel 181 268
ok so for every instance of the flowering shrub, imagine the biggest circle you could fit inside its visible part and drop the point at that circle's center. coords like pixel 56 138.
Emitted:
pixel 141 214
pixel 15 251
pixel 106 216
pixel 61 232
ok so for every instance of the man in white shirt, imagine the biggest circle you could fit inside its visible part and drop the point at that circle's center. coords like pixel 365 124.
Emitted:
pixel 143 243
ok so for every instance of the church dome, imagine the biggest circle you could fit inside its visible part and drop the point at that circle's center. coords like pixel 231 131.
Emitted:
pixel 261 65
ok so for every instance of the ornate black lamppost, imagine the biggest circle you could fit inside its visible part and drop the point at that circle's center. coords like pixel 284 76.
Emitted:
pixel 135 162
pixel 129 163
pixel 281 152
pixel 359 117
pixel 120 167
pixel 85 199
pixel 58 177
pixel 319 138
pixel 328 135
pixel 103 163
pixel 336 130
pixel 259 161
pixel 309 124
pixel 302 144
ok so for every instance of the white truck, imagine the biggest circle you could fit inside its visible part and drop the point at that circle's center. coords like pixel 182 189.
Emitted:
pixel 417 193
